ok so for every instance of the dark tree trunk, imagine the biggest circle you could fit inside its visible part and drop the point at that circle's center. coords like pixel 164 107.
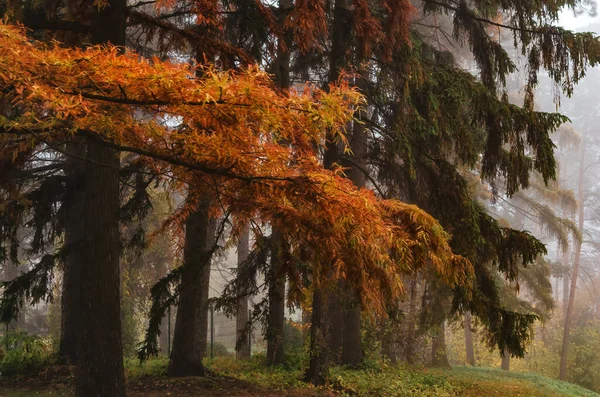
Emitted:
pixel 191 324
pixel 506 361
pixel 439 357
pixel 75 256
pixel 100 370
pixel 388 347
pixel 241 318
pixel 318 368
pixel 351 343
pixel 564 353
pixel 100 350
pixel 276 317
pixel 165 337
pixel 276 293
pixel 352 354
pixel 469 340
pixel 409 347
pixel 335 317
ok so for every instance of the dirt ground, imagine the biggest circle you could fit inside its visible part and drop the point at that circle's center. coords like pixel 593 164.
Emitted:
pixel 59 382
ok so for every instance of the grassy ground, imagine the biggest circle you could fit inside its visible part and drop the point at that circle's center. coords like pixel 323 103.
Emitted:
pixel 233 378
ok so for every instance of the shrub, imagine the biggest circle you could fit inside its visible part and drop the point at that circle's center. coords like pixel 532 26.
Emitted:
pixel 25 354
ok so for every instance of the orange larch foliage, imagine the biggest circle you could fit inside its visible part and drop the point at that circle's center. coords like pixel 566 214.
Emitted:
pixel 222 133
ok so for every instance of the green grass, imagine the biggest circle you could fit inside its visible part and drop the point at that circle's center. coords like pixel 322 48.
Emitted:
pixel 516 383
pixel 374 382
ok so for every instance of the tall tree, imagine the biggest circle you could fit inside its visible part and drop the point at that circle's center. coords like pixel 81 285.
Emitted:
pixel 564 353
pixel 242 330
pixel 100 369
pixel 191 324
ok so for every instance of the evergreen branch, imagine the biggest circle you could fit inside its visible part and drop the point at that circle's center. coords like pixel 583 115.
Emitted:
pixel 32 286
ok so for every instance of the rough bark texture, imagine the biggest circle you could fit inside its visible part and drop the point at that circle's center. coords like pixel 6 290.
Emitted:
pixel 191 324
pixel 100 370
pixel 75 256
pixel 318 367
pixel 352 353
pixel 241 319
pixel 469 340
pixel 564 353
pixel 100 350
pixel 439 357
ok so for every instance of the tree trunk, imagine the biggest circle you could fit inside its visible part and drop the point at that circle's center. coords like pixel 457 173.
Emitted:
pixel 276 292
pixel 439 357
pixel 276 317
pixel 75 256
pixel 165 325
pixel 388 347
pixel 409 351
pixel 564 353
pixel 100 350
pixel 318 368
pixel 565 290
pixel 506 361
pixel 335 317
pixel 100 370
pixel 352 354
pixel 191 323
pixel 242 347
pixel 469 340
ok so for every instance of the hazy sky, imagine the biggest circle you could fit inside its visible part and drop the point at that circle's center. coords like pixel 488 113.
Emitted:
pixel 568 21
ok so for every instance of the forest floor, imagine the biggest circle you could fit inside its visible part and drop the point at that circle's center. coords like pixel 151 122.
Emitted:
pixel 232 378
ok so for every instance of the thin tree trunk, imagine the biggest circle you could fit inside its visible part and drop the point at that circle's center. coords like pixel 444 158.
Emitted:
pixel 469 340
pixel 276 317
pixel 409 351
pixel 506 361
pixel 100 371
pixel 564 353
pixel 439 357
pixel 191 323
pixel 241 318
pixel 565 287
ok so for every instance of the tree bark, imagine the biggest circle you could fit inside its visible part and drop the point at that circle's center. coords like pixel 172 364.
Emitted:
pixel 565 289
pixel 276 292
pixel 352 353
pixel 75 256
pixel 439 357
pixel 409 350
pixel 505 361
pixel 191 323
pixel 276 317
pixel 241 319
pixel 564 353
pixel 100 371
pixel 100 351
pixel 469 340
pixel 318 368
